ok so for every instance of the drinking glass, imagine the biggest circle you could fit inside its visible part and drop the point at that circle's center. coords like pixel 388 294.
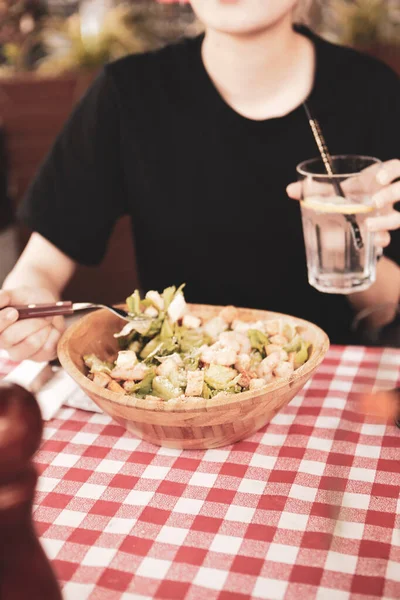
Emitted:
pixel 336 263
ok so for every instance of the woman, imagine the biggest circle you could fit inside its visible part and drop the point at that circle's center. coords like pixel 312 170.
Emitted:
pixel 198 142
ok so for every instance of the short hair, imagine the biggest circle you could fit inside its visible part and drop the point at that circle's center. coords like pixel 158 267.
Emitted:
pixel 302 9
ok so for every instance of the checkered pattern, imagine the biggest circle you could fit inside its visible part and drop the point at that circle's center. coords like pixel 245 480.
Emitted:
pixel 308 508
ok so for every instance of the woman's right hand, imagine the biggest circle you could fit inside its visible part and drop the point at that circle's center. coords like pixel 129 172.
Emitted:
pixel 34 339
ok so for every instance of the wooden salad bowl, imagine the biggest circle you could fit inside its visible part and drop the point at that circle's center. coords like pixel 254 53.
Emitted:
pixel 191 423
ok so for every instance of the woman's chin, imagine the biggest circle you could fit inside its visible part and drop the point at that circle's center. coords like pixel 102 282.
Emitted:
pixel 242 17
pixel 238 27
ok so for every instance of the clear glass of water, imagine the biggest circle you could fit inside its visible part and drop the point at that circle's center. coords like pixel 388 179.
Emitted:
pixel 336 263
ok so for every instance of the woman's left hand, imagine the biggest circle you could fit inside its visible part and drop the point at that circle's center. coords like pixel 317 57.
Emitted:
pixel 386 192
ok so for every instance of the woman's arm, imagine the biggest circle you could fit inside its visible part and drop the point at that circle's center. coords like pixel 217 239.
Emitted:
pixel 386 290
pixel 41 265
pixel 38 277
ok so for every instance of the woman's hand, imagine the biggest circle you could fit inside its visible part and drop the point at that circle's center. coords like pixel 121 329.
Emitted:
pixel 380 180
pixel 34 339
pixel 384 200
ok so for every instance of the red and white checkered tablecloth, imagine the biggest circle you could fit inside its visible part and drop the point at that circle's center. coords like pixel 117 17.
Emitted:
pixel 308 508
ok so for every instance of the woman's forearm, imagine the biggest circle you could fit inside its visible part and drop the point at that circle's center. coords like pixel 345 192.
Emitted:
pixel 386 290
pixel 41 266
pixel 33 277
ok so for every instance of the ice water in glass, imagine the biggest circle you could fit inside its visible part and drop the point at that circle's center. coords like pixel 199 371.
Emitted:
pixel 335 263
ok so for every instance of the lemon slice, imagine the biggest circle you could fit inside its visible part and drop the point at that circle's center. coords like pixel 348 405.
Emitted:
pixel 336 206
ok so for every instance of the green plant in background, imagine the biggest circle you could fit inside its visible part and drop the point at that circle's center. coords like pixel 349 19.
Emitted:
pixel 20 20
pixel 83 42
pixel 69 48
pixel 362 23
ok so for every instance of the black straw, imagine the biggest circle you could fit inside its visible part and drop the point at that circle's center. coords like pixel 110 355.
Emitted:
pixel 327 160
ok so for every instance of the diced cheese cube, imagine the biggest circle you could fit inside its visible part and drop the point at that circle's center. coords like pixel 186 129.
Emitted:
pixel 191 322
pixel 242 363
pixel 273 326
pixel 284 369
pixel 156 299
pixel 214 327
pixel 166 367
pixel 177 308
pixel 195 382
pixel 255 384
pixel 101 379
pixel 274 349
pixel 241 326
pixel 278 340
pixel 229 314
pixel 127 359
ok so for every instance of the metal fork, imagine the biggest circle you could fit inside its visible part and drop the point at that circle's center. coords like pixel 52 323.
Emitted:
pixel 32 311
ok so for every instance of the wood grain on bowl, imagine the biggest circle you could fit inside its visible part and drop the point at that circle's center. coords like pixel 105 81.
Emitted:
pixel 193 423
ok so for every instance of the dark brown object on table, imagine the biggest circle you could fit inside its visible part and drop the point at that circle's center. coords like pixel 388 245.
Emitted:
pixel 25 571
pixel 397 420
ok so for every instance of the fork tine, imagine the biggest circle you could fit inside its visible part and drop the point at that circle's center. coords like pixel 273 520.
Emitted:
pixel 119 312
pixel 123 314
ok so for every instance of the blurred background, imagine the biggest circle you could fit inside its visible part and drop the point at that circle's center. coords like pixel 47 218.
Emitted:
pixel 51 50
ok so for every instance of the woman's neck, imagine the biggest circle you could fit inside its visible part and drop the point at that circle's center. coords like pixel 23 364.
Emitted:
pixel 263 75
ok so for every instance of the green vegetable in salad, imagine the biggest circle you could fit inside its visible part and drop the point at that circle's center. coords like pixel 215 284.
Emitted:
pixel 168 295
pixel 258 340
pixel 289 331
pixel 294 345
pixel 133 303
pixel 155 325
pixel 151 348
pixel 135 346
pixel 95 365
pixel 191 360
pixel 141 388
pixel 164 389
pixel 178 378
pixel 208 392
pixel 221 378
pixel 167 331
pixel 255 359
pixel 302 355
pixel 190 338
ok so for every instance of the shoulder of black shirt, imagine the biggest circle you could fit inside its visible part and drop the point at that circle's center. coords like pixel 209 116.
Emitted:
pixel 339 61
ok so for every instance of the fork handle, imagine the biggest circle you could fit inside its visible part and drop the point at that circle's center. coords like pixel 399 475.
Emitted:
pixel 33 311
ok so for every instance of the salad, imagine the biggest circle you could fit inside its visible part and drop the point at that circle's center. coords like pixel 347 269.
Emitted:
pixel 175 354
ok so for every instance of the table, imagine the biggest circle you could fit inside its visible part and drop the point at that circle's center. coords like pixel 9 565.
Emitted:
pixel 308 508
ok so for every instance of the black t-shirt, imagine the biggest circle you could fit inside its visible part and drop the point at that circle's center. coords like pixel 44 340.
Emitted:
pixel 205 186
